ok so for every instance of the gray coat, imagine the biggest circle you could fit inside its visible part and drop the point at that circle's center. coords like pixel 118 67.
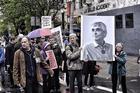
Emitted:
pixel 73 57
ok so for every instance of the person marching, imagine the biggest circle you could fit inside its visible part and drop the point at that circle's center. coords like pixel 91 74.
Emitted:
pixel 26 68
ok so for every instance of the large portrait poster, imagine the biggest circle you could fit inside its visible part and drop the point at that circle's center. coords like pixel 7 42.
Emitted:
pixel 97 38
pixel 57 35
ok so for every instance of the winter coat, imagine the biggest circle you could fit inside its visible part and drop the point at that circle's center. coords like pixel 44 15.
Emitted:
pixel 120 65
pixel 9 55
pixel 73 57
pixel 44 55
pixel 19 67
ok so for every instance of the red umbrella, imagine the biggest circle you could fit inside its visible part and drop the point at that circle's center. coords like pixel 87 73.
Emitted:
pixel 40 33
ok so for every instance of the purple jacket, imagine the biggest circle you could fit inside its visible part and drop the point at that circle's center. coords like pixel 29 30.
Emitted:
pixel 43 54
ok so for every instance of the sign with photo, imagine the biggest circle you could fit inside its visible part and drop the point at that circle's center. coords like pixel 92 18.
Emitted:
pixel 97 38
pixel 57 35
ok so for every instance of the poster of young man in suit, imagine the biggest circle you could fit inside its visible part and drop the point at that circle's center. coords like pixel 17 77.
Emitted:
pixel 97 38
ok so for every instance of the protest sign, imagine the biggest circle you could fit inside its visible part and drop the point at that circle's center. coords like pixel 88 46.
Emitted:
pixel 97 38
pixel 52 59
pixel 57 35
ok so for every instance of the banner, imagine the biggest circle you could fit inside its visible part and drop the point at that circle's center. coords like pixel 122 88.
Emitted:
pixel 52 59
pixel 97 38
pixel 57 35
pixel 46 22
pixel 68 8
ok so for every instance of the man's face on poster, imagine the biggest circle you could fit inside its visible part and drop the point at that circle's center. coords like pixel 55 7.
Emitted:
pixel 99 31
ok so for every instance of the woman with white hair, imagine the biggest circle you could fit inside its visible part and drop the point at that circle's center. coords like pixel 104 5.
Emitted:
pixel 117 69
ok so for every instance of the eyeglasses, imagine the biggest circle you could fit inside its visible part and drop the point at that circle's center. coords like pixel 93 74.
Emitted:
pixel 97 29
pixel 42 38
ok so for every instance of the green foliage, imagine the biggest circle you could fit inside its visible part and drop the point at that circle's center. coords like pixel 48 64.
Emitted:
pixel 16 10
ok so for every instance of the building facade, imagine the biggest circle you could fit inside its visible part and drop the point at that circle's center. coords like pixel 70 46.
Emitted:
pixel 127 21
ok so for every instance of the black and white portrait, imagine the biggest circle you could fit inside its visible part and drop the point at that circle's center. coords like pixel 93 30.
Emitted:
pixel 98 38
pixel 57 35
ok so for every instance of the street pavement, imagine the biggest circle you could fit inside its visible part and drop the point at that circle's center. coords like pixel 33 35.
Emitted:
pixel 133 81
pixel 103 81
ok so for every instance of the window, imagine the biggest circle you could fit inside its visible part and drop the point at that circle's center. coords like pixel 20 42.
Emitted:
pixel 118 21
pixel 129 23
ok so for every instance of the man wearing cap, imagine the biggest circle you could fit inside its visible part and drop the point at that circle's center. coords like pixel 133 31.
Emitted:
pixel 73 63
pixel 99 50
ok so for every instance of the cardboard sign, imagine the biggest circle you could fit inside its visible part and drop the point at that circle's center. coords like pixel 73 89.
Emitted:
pixel 52 59
pixel 57 34
pixel 46 22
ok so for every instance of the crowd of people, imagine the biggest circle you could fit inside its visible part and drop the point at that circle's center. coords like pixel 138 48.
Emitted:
pixel 29 69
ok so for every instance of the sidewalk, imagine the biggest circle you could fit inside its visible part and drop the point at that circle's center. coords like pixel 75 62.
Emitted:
pixel 133 81
pixel 131 66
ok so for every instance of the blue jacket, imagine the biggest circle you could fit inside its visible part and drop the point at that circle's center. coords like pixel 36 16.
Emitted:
pixel 2 55
pixel 120 69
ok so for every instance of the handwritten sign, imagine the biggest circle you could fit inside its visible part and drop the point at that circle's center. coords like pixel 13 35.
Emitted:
pixel 46 22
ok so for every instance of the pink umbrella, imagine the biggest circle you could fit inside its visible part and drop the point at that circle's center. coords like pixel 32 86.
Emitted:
pixel 39 33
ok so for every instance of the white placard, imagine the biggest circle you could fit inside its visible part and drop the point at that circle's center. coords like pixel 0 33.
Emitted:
pixel 46 22
pixel 57 34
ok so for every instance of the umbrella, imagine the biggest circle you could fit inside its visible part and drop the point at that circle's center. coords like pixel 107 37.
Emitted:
pixel 40 33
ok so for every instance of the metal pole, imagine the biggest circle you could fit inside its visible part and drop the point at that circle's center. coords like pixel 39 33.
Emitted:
pixel 63 16
pixel 63 26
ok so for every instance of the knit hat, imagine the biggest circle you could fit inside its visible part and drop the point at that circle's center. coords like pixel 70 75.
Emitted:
pixel 72 34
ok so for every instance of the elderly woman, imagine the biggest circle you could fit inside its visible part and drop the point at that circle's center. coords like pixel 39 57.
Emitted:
pixel 117 69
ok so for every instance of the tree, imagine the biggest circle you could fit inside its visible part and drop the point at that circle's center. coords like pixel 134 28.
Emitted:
pixel 14 11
